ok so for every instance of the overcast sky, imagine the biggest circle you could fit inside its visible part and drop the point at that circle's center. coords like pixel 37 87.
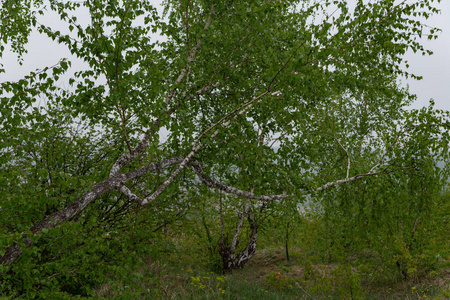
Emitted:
pixel 435 69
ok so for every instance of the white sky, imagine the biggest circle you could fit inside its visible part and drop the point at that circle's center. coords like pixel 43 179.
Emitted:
pixel 435 69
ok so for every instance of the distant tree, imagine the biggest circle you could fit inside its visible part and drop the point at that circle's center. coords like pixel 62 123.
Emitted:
pixel 277 98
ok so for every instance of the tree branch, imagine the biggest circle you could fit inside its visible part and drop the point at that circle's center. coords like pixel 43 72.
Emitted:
pixel 348 158
pixel 117 182
pixel 128 157
pixel 191 57
pixel 231 190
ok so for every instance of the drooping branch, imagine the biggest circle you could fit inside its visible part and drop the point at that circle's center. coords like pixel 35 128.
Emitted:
pixel 241 109
pixel 250 195
pixel 395 141
pixel 117 182
pixel 231 190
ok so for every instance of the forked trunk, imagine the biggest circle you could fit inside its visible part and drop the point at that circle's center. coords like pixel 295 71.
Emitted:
pixel 232 260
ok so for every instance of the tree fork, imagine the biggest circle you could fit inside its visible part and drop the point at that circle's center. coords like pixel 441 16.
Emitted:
pixel 14 251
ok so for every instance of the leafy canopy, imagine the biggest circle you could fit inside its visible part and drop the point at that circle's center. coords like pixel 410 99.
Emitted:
pixel 260 99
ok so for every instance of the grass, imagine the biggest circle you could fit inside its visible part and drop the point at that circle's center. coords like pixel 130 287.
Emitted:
pixel 268 276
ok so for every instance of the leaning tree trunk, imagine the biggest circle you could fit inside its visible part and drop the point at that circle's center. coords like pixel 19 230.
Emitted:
pixel 232 260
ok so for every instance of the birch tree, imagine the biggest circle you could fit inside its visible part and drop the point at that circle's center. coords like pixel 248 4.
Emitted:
pixel 277 98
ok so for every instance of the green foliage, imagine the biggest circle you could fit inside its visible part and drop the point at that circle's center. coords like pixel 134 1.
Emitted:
pixel 445 294
pixel 18 19
pixel 396 226
pixel 266 98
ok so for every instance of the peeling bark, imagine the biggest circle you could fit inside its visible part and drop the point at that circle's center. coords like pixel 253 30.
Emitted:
pixel 231 260
pixel 116 182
